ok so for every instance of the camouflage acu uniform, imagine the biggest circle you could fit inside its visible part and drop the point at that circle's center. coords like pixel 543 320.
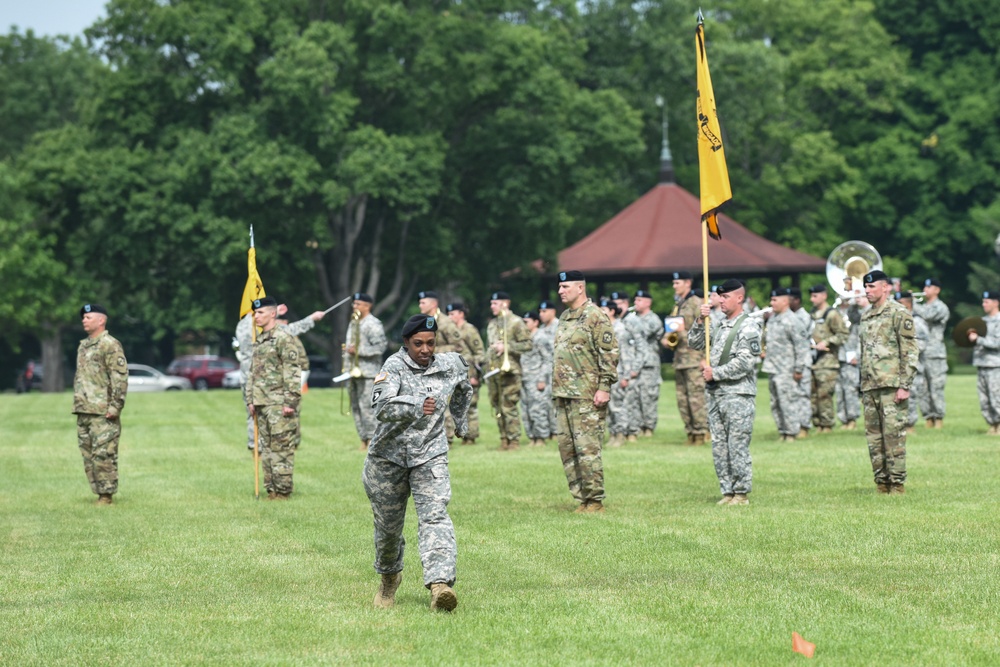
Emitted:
pixel 447 339
pixel 986 358
pixel 648 330
pixel 804 403
pixel 633 405
pixel 919 390
pixel 369 334
pixel 828 327
pixel 99 389
pixel 274 383
pixel 624 400
pixel 731 397
pixel 936 314
pixel 409 455
pixel 888 363
pixel 550 331
pixel 505 388
pixel 472 351
pixel 848 392
pixel 586 356
pixel 536 366
pixel 687 372
pixel 785 341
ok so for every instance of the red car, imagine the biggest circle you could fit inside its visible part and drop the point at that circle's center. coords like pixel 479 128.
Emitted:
pixel 203 370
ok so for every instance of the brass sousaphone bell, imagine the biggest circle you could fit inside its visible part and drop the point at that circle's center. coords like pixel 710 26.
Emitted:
pixel 847 265
pixel 960 334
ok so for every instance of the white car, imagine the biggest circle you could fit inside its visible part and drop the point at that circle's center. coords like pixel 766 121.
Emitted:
pixel 231 380
pixel 147 378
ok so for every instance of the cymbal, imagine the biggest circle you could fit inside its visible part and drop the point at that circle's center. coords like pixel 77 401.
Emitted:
pixel 960 334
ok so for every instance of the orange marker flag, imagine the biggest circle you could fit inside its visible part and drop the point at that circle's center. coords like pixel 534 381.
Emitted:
pixel 800 645
pixel 715 189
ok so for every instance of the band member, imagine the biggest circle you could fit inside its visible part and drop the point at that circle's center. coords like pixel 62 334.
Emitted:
pixel 784 361
pixel 366 343
pixel 472 351
pixel 687 362
pixel 507 340
pixel 536 382
pixel 623 391
pixel 829 333
pixel 986 359
pixel 934 311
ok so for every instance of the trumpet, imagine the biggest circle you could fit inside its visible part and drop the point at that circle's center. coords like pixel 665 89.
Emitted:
pixel 763 312
pixel 356 342
pixel 505 366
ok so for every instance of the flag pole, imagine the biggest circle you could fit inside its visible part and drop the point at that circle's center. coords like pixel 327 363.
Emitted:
pixel 704 277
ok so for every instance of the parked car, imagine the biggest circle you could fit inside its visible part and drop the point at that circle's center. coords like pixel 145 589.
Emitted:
pixel 203 370
pixel 29 378
pixel 231 380
pixel 147 378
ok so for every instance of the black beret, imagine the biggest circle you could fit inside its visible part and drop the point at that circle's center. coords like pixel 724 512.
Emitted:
pixel 642 292
pixel 531 315
pixel 570 276
pixel 605 303
pixel 904 295
pixel 620 295
pixel 93 308
pixel 429 294
pixel 500 296
pixel 546 305
pixel 874 277
pixel 698 293
pixel 817 289
pixel 419 323
pixel 361 296
pixel 453 307
pixel 782 291
pixel 795 291
pixel 730 285
pixel 265 301
pixel 992 295
pixel 682 275
pixel 932 281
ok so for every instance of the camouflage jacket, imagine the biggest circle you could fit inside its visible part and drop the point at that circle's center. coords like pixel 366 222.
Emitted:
pixel 536 363
pixel 369 334
pixel 828 327
pixel 936 314
pixel 518 341
pixel 923 335
pixel 785 342
pixel 404 435
pixel 888 347
pixel 472 349
pixel 628 359
pixel 690 309
pixel 448 338
pixel 275 376
pixel 101 380
pixel 648 331
pixel 986 353
pixel 739 374
pixel 244 340
pixel 586 353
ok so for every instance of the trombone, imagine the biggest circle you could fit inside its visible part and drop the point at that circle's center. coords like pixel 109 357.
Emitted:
pixel 356 343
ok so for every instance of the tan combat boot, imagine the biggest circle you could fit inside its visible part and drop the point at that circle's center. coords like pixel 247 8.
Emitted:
pixel 104 499
pixel 803 434
pixel 726 499
pixel 513 445
pixel 994 429
pixel 883 488
pixel 632 438
pixel 647 433
pixel 468 441
pixel 896 490
pixel 503 444
pixel 939 423
pixel 385 596
pixel 595 507
pixel 443 597
pixel 740 499
pixel 851 425
pixel 581 508
pixel 929 423
pixel 616 440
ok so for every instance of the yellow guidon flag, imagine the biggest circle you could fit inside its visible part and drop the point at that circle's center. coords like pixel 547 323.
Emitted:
pixel 715 190
pixel 254 288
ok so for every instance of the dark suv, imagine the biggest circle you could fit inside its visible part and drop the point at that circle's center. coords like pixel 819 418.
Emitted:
pixel 203 370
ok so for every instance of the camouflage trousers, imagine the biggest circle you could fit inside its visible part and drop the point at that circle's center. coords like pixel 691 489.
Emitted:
pixel 848 394
pixel 730 418
pixel 691 400
pixel 784 392
pixel 918 393
pixel 388 487
pixel 473 415
pixel 536 406
pixel 505 393
pixel 278 439
pixel 360 392
pixel 988 384
pixel 624 404
pixel 581 430
pixel 803 407
pixel 98 437
pixel 885 429
pixel 649 382
pixel 912 416
pixel 824 384
pixel 935 373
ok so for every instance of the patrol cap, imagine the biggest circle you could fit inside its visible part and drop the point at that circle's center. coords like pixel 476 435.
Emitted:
pixel 620 295
pixel 682 275
pixel 531 315
pixel 995 296
pixel 782 291
pixel 932 281
pixel 500 296
pixel 546 305
pixel 643 293
pixel 454 307
pixel 419 323
pixel 570 276
pixel 730 285
pixel 264 302
pixel 817 289
pixel 429 294
pixel 904 295
pixel 93 308
pixel 874 277
pixel 361 296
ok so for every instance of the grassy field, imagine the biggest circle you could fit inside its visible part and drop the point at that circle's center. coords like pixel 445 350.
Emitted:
pixel 187 568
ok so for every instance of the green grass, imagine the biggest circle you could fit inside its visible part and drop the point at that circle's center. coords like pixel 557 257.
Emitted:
pixel 187 568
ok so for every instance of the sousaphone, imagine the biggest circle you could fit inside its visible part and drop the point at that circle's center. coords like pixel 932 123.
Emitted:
pixel 847 265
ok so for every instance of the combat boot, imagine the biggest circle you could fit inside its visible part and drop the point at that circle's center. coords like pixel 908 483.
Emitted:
pixel 513 445
pixel 632 438
pixel 503 444
pixel 581 508
pixel 803 434
pixel 896 490
pixel 468 441
pixel 647 433
pixel 929 423
pixel 910 430
pixel 939 423
pixel 104 499
pixel 443 597
pixel 883 489
pixel 595 507
pixel 385 596
pixel 994 429
pixel 851 425
pixel 726 499
pixel 364 446
pixel 740 499
pixel 280 496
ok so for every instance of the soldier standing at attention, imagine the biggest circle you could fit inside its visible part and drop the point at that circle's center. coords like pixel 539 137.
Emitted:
pixel 99 389
pixel 848 391
pixel 619 427
pixel 447 339
pixel 687 362
pixel 550 323
pixel 731 384
pixel 273 392
pixel 586 356
pixel 649 329
pixel 805 384
pixel 536 382
pixel 921 333
pixel 888 365
pixel 935 313
pixel 829 333
pixel 986 359
pixel 508 339
pixel 409 456
pixel 474 353
pixel 784 341
pixel 633 329
pixel 366 343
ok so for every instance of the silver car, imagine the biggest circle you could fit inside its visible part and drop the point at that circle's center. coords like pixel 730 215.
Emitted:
pixel 147 378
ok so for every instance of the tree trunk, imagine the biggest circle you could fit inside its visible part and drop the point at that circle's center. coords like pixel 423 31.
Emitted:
pixel 53 378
